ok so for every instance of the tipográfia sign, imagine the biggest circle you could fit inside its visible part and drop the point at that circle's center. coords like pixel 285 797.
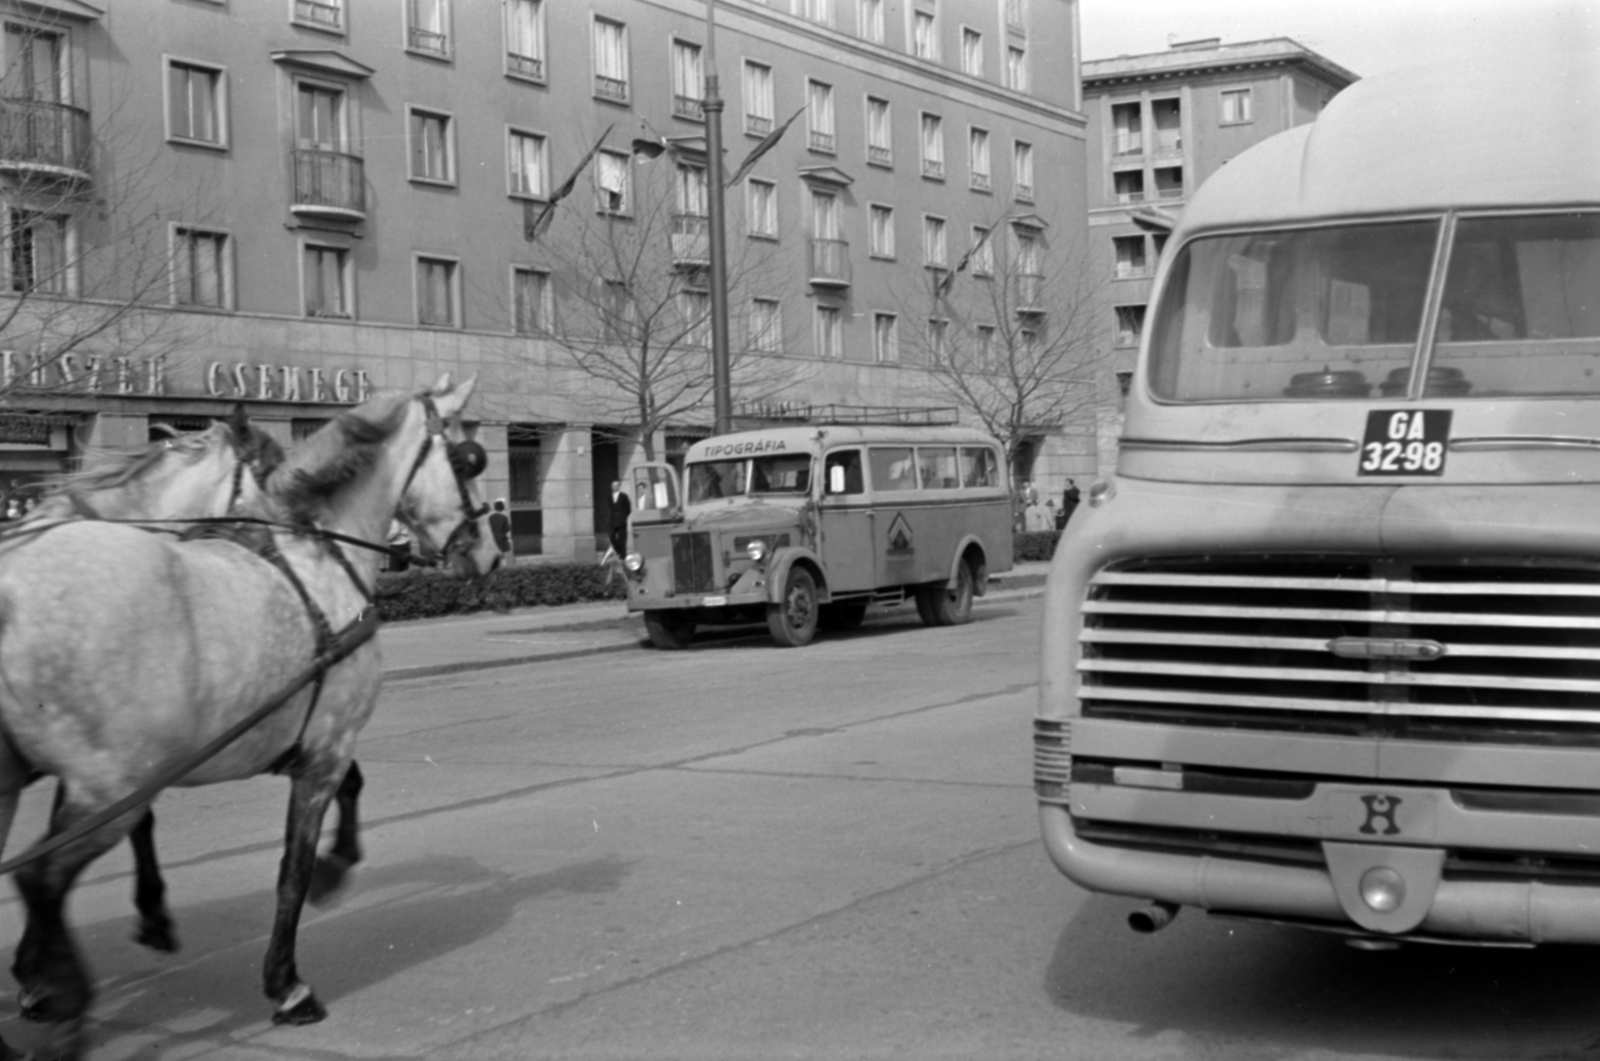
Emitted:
pixel 151 377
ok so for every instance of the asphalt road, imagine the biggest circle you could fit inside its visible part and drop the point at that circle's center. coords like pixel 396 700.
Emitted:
pixel 747 852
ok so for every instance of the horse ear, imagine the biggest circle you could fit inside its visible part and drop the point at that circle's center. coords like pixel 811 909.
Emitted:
pixel 442 386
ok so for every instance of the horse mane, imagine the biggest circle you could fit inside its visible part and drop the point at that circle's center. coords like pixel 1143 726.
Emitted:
pixel 337 453
pixel 114 467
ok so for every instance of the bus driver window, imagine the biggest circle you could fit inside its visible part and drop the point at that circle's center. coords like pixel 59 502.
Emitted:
pixel 844 472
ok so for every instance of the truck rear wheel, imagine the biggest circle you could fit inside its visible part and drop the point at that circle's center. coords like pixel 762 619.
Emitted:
pixel 793 620
pixel 669 628
pixel 941 606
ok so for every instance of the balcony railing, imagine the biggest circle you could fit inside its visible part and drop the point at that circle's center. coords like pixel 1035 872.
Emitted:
pixel 610 87
pixel 820 141
pixel 879 156
pixel 1130 271
pixel 933 167
pixel 1130 144
pixel 687 107
pixel 1170 193
pixel 1130 197
pixel 1168 142
pixel 1025 191
pixel 525 66
pixel 980 182
pixel 41 135
pixel 830 263
pixel 757 124
pixel 329 184
pixel 691 240
pixel 430 41
pixel 319 13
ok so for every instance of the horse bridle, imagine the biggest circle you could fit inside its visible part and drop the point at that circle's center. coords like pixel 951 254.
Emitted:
pixel 467 461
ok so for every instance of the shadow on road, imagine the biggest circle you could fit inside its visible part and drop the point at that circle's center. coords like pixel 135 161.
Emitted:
pixel 1268 992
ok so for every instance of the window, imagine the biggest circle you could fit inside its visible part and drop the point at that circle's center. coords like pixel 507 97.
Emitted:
pixel 531 301
pixel 819 116
pixel 871 18
pixel 38 253
pixel 616 310
pixel 200 274
pixel 610 60
pixel 687 81
pixel 1235 106
pixel 892 468
pixel 33 59
pixel 613 182
pixel 932 146
pixel 882 234
pixel 1130 325
pixel 693 197
pixel 762 215
pixel 985 351
pixel 818 11
pixel 924 39
pixel 758 105
pixel 1169 182
pixel 1167 116
pixel 766 325
pixel 320 14
pixel 978 158
pixel 195 104
pixel 695 307
pixel 938 341
pixel 982 252
pixel 1127 129
pixel 934 251
pixel 885 338
pixel 1128 185
pixel 428 27
pixel 824 214
pixel 319 117
pixel 1022 170
pixel 432 154
pixel 438 303
pixel 1015 13
pixel 327 278
pixel 879 143
pixel 972 52
pixel 1017 69
pixel 525 39
pixel 1130 256
pixel 828 333
pixel 525 154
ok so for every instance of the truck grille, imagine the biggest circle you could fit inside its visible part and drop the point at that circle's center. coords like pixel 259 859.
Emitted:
pixel 1483 649
pixel 692 569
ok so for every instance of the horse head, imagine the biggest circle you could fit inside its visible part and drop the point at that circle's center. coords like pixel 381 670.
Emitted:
pixel 439 502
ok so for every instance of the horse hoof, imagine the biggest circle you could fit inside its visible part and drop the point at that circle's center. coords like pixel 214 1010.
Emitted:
pixel 329 876
pixel 301 1007
pixel 157 935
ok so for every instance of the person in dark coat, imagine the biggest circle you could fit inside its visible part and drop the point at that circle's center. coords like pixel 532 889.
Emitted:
pixel 621 509
pixel 500 527
pixel 1069 502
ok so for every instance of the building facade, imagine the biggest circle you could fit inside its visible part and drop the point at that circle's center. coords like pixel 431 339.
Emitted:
pixel 1159 125
pixel 297 203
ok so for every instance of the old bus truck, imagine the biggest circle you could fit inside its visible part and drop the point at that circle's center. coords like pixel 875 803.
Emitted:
pixel 805 526
pixel 1326 649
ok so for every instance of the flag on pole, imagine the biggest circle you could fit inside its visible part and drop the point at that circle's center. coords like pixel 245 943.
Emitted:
pixel 767 143
pixel 942 288
pixel 533 226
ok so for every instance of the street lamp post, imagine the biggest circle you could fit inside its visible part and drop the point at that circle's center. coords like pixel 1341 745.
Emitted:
pixel 712 106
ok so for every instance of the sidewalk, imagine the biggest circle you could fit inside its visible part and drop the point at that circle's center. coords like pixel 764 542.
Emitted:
pixel 422 648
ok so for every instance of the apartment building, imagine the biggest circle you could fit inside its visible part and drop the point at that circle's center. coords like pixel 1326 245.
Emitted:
pixel 1159 125
pixel 297 203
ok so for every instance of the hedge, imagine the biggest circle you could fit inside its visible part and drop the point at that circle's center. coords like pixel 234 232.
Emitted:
pixel 423 594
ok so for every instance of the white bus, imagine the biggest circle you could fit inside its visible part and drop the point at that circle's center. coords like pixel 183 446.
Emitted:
pixel 1326 649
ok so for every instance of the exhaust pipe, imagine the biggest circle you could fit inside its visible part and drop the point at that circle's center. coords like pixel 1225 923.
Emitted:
pixel 1153 918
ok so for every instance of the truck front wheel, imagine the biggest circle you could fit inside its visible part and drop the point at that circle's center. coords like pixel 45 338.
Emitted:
pixel 793 620
pixel 670 628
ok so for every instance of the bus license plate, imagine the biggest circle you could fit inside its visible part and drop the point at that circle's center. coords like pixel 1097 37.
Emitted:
pixel 1405 442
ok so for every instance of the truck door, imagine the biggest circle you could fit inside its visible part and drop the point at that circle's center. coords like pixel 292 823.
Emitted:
pixel 845 522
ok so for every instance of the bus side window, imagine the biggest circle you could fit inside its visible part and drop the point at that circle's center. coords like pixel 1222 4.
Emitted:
pixel 844 472
pixel 979 467
pixel 893 469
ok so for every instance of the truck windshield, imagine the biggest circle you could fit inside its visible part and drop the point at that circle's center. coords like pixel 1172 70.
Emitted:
pixel 1320 313
pixel 787 473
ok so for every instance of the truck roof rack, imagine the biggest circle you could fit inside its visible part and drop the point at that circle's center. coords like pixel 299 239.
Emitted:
pixel 775 414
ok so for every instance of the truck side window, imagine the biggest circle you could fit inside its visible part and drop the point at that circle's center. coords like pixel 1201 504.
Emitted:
pixel 843 472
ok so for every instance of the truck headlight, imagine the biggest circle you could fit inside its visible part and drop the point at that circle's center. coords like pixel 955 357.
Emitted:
pixel 634 562
pixel 756 550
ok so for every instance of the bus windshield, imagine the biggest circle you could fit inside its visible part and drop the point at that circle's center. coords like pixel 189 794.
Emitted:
pixel 782 474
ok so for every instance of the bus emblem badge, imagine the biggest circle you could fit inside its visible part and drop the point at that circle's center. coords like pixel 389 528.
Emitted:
pixel 900 535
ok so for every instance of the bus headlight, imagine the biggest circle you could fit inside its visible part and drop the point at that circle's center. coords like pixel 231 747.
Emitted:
pixel 756 550
pixel 634 562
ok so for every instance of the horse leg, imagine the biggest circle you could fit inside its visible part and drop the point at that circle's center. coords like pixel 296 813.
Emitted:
pixel 55 981
pixel 149 890
pixel 309 794
pixel 330 874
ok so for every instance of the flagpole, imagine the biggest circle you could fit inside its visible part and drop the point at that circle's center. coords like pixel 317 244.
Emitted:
pixel 712 105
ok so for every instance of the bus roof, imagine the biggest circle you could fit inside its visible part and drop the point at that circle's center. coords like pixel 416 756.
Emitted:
pixel 774 440
pixel 1512 133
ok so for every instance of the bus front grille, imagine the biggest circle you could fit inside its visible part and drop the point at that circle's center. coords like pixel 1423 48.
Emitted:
pixel 692 569
pixel 1485 649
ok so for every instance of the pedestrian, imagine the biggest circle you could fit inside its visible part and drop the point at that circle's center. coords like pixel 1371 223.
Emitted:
pixel 500 527
pixel 621 508
pixel 1069 501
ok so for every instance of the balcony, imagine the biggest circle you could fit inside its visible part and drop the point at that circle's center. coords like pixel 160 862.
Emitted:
pixel 329 185
pixel 757 124
pixel 614 88
pixel 691 241
pixel 879 156
pixel 44 138
pixel 1169 143
pixel 830 263
pixel 1030 294
pixel 319 13
pixel 527 66
pixel 980 182
pixel 429 41
pixel 688 107
pixel 933 167
pixel 1132 271
pixel 820 141
pixel 1129 144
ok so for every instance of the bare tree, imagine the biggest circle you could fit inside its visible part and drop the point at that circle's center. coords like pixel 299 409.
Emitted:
pixel 1016 333
pixel 630 305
